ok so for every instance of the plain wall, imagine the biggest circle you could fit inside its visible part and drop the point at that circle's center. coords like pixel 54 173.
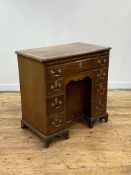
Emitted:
pixel 29 23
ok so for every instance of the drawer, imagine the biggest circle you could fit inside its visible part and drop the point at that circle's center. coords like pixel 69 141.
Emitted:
pixel 77 66
pixel 100 91
pixel 55 105
pixel 103 60
pixel 100 75
pixel 94 63
pixel 56 122
pixel 54 87
pixel 99 107
pixel 61 70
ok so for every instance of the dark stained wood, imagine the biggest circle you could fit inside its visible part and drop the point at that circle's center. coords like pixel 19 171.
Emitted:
pixel 100 91
pixel 78 99
pixel 74 99
pixel 99 107
pixel 55 87
pixel 83 64
pixel 59 125
pixel 101 75
pixel 63 83
pixel 46 139
pixel 55 104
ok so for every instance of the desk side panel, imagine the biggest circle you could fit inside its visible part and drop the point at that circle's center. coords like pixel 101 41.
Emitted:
pixel 33 93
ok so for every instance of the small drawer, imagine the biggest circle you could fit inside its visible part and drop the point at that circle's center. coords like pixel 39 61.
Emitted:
pixel 102 60
pixel 99 107
pixel 54 87
pixel 83 64
pixel 62 70
pixel 55 104
pixel 100 91
pixel 56 122
pixel 93 63
pixel 101 75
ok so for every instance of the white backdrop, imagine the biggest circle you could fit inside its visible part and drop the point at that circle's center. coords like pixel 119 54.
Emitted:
pixel 36 23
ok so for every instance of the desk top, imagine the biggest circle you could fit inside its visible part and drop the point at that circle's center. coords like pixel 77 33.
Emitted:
pixel 45 54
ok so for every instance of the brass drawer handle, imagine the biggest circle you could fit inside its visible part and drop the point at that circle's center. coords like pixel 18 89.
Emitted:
pixel 100 105
pixel 99 61
pixel 57 103
pixel 101 89
pixel 80 64
pixel 102 61
pixel 57 73
pixel 56 85
pixel 56 121
pixel 105 60
pixel 102 74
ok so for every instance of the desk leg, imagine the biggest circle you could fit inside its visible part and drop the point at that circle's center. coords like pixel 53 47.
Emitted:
pixel 91 121
pixel 47 143
pixel 63 134
pixel 104 117
pixel 45 138
pixel 23 125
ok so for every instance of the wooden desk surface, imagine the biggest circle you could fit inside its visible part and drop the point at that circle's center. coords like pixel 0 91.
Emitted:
pixel 45 54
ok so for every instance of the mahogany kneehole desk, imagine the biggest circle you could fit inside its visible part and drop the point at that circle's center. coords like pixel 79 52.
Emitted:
pixel 60 84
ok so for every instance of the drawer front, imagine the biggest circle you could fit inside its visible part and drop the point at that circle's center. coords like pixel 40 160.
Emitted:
pixel 54 87
pixel 100 91
pixel 101 75
pixel 56 122
pixel 94 63
pixel 99 107
pixel 102 61
pixel 77 66
pixel 62 70
pixel 55 105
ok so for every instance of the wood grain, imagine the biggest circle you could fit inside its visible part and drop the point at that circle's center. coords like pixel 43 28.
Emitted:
pixel 59 52
pixel 33 95
pixel 39 110
pixel 103 150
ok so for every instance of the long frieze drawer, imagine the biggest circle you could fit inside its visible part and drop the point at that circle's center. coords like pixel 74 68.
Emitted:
pixel 55 104
pixel 54 87
pixel 99 107
pixel 57 122
pixel 100 91
pixel 101 75
pixel 77 66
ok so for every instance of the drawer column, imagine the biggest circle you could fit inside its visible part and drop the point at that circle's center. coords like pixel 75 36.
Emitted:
pixel 99 97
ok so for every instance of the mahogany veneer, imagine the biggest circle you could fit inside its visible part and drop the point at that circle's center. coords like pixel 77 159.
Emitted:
pixel 60 84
